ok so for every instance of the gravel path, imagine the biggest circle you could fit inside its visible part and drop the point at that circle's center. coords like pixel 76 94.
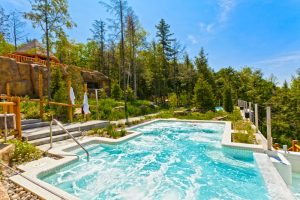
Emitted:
pixel 14 191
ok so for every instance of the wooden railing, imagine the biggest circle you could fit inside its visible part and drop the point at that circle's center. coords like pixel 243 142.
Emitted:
pixel 295 147
pixel 20 58
pixel 12 105
pixel 24 59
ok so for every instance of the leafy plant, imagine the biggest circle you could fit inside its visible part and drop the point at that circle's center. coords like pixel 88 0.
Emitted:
pixel 24 152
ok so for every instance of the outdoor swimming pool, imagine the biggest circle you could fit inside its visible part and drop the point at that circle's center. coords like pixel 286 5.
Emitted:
pixel 171 160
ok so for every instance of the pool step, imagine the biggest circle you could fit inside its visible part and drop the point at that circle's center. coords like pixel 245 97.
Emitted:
pixel 30 121
pixel 56 138
pixel 34 125
pixel 40 135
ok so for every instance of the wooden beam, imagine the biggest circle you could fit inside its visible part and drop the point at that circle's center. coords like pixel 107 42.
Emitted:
pixel 41 95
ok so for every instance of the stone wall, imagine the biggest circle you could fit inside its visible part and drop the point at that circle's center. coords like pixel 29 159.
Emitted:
pixel 23 77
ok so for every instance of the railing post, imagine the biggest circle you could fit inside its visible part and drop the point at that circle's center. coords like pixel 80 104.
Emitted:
pixel 269 132
pixel 17 111
pixel 70 108
pixel 256 116
pixel 294 142
pixel 41 95
pixel 8 89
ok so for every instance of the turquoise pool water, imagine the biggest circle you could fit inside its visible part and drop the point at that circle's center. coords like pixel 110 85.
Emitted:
pixel 296 185
pixel 171 160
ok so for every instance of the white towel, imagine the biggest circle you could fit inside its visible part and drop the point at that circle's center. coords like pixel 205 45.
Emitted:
pixel 86 106
pixel 72 96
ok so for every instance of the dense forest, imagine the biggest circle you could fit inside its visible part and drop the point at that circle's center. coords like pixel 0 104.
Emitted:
pixel 156 69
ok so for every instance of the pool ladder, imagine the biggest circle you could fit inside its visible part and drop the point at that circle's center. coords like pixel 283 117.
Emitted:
pixel 64 129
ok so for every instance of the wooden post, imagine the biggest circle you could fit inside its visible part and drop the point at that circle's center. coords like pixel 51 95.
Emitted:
pixel 70 108
pixel 294 142
pixel 269 132
pixel 8 89
pixel 256 117
pixel 41 95
pixel 17 111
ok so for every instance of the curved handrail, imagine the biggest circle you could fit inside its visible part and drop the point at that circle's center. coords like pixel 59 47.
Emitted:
pixel 63 128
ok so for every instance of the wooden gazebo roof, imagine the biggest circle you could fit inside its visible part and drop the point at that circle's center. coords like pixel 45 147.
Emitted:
pixel 33 49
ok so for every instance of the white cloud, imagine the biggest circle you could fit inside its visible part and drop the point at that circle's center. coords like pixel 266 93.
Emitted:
pixel 226 7
pixel 193 39
pixel 292 57
pixel 206 27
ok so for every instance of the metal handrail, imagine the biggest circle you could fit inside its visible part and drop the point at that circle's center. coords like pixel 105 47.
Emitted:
pixel 63 128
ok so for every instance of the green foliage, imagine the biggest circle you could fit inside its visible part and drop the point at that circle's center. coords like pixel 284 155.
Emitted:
pixel 172 100
pixel 130 94
pixel 228 104
pixel 203 96
pixel 55 13
pixel 31 110
pixel 243 138
pixel 59 90
pixel 116 91
pixel 242 125
pixel 109 131
pixel 102 93
pixel 234 116
pixel 5 47
pixel 24 152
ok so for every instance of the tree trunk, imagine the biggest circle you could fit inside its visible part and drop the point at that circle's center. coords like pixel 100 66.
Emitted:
pixel 48 50
pixel 123 60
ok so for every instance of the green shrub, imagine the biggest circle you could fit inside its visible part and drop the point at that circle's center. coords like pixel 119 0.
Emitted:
pixel 130 94
pixel 116 92
pixel 242 125
pixel 243 138
pixel 234 116
pixel 227 99
pixel 24 152
pixel 102 93
pixel 172 100
pixel 123 132
pixel 203 95
pixel 31 110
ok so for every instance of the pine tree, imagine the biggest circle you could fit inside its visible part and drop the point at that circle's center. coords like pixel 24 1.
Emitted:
pixel 165 41
pixel 227 99
pixel 203 95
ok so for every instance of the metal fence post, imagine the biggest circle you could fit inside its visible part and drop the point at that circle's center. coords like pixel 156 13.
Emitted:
pixel 269 132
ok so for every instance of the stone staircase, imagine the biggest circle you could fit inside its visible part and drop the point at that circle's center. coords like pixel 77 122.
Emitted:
pixel 37 132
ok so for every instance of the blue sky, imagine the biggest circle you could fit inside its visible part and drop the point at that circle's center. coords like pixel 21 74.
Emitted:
pixel 262 34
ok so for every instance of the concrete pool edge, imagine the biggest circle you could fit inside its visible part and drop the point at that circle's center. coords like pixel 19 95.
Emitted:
pixel 34 169
pixel 277 188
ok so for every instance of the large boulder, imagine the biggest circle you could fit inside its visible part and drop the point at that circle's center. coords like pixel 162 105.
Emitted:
pixel 24 77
